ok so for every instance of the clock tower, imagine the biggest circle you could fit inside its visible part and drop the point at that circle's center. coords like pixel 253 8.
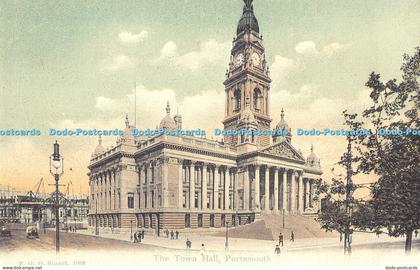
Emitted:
pixel 247 83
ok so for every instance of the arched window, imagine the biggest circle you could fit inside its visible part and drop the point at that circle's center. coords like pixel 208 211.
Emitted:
pixel 256 99
pixel 237 97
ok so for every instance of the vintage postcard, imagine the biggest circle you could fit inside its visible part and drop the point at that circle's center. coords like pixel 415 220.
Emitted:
pixel 234 134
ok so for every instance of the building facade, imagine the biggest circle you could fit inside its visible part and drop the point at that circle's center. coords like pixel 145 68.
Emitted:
pixel 28 207
pixel 180 182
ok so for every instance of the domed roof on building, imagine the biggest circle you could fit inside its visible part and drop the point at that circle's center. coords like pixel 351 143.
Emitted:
pixel 282 124
pixel 127 134
pixel 168 122
pixel 99 148
pixel 248 20
pixel 313 159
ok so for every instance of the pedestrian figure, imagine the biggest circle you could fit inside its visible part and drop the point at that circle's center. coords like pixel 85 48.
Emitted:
pixel 142 234
pixel 277 250
pixel 172 235
pixel 167 233
pixel 292 236
pixel 281 239
pixel 176 235
pixel 203 249
pixel 135 237
pixel 341 237
pixel 188 243
pixel 416 233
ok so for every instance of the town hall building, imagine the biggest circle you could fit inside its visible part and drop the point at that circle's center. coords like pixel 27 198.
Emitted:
pixel 180 182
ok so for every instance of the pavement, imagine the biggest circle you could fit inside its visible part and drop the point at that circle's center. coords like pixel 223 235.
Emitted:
pixel 217 243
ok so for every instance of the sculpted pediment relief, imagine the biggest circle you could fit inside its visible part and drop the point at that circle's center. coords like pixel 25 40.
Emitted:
pixel 283 149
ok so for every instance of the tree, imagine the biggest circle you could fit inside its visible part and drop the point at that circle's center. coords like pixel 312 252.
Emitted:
pixel 395 159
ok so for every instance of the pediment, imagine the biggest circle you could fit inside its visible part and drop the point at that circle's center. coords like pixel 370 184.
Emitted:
pixel 283 149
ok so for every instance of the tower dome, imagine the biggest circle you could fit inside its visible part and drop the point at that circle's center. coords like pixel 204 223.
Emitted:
pixel 284 127
pixel 313 159
pixel 167 121
pixel 99 148
pixel 248 20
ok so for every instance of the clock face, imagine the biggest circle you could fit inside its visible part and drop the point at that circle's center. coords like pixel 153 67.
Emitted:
pixel 255 59
pixel 239 60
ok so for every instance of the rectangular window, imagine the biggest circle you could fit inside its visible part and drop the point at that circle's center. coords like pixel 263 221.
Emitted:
pixel 196 200
pixel 153 199
pixel 200 220
pixel 212 220
pixel 145 199
pixel 187 221
pixel 208 199
pixel 184 199
pixel 130 200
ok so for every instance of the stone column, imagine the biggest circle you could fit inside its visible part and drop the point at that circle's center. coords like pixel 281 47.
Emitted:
pixel 180 184
pixel 300 195
pixel 293 193
pixel 310 192
pixel 284 191
pixel 276 190
pixel 226 189
pixel 267 189
pixel 257 201
pixel 204 188
pixel 191 174
pixel 216 188
pixel 246 188
pixel 235 191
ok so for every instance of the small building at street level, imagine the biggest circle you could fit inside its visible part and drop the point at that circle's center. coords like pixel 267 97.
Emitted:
pixel 178 182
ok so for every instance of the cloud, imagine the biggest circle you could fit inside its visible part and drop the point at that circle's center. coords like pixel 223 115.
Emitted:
pixel 132 38
pixel 309 49
pixel 120 62
pixel 281 68
pixel 209 52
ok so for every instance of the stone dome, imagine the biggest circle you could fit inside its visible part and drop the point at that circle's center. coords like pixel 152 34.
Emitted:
pixel 99 148
pixel 167 122
pixel 248 19
pixel 282 124
pixel 127 134
pixel 313 159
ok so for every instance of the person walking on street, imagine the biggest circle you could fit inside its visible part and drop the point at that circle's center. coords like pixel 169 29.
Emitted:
pixel 277 250
pixel 416 233
pixel 281 239
pixel 188 243
pixel 176 235
pixel 142 234
pixel 172 235
pixel 292 236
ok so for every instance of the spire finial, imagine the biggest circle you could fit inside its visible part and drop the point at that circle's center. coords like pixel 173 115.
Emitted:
pixel 127 123
pixel 248 4
pixel 100 140
pixel 168 108
pixel 282 114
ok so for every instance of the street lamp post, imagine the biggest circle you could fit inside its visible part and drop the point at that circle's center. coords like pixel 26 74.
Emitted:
pixel 283 218
pixel 131 230
pixel 227 236
pixel 56 170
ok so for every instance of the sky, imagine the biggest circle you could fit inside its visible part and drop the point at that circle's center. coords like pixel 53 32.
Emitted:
pixel 67 64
